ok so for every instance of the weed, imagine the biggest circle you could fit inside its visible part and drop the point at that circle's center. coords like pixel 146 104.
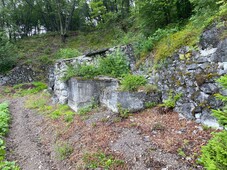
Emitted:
pixel 101 160
pixel 158 126
pixel 114 65
pixel 63 150
pixel 171 101
pixel 123 113
pixel 29 88
pixel 4 129
pixel 84 110
pixel 181 152
pixel 149 88
pixel 150 104
pixel 41 101
pixel 132 82
pixel 67 53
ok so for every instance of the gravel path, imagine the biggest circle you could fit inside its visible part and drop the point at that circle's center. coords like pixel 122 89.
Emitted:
pixel 23 141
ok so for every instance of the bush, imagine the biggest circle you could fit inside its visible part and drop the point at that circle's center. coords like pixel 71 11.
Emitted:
pixel 114 65
pixel 132 82
pixel 215 152
pixel 67 53
pixel 4 128
pixel 7 54
pixel 171 101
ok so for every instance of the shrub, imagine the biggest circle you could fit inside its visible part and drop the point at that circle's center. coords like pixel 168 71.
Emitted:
pixel 4 128
pixel 81 70
pixel 214 154
pixel 150 104
pixel 7 54
pixel 114 65
pixel 132 82
pixel 67 53
pixel 171 101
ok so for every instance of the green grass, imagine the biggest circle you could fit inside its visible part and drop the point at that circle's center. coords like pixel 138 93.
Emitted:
pixel 29 88
pixel 4 129
pixel 63 150
pixel 41 102
pixel 101 160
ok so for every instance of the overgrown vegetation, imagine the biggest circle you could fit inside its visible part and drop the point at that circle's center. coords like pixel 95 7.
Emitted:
pixel 7 53
pixel 171 101
pixel 132 82
pixel 101 160
pixel 29 88
pixel 41 102
pixel 4 129
pixel 214 153
pixel 63 150
pixel 113 65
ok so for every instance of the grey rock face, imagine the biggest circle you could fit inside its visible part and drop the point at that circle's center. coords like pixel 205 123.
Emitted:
pixel 23 74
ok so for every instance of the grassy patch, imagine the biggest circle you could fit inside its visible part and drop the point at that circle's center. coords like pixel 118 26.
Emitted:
pixel 29 88
pixel 4 128
pixel 63 150
pixel 101 160
pixel 41 102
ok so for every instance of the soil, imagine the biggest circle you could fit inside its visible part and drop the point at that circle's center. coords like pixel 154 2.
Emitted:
pixel 145 141
pixel 23 141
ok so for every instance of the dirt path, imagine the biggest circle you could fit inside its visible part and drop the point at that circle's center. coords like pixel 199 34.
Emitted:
pixel 23 141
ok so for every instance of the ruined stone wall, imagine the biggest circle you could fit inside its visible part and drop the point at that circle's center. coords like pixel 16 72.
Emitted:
pixel 193 74
pixel 24 74
pixel 189 72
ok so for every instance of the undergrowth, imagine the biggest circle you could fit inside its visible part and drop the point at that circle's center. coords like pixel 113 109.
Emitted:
pixel 63 150
pixel 4 129
pixel 41 102
pixel 29 88
pixel 132 82
pixel 113 65
pixel 214 153
pixel 101 160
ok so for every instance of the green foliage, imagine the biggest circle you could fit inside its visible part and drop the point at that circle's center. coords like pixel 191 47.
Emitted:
pixel 114 65
pixel 150 104
pixel 214 153
pixel 63 150
pixel 41 102
pixel 29 88
pixel 171 101
pixel 145 45
pixel 67 53
pixel 4 119
pixel 4 128
pixel 84 110
pixel 123 113
pixel 7 54
pixel 101 160
pixel 132 82
pixel 181 152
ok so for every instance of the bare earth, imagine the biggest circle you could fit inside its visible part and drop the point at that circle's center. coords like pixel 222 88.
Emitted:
pixel 137 140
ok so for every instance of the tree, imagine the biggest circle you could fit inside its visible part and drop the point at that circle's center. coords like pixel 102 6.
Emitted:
pixel 7 53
